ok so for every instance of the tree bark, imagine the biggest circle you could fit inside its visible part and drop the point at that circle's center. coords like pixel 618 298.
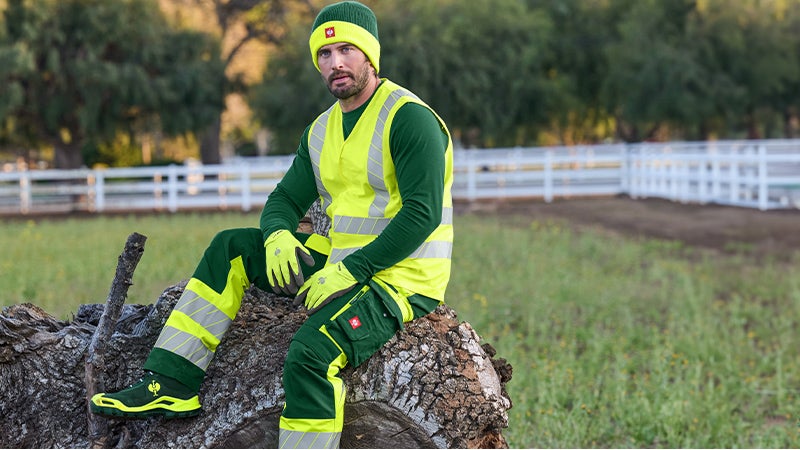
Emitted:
pixel 432 385
pixel 68 155
pixel 209 143
pixel 95 361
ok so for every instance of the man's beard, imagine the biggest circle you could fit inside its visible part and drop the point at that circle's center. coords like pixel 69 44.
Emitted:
pixel 360 82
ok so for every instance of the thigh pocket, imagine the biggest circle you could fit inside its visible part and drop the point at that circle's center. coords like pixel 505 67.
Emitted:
pixel 363 328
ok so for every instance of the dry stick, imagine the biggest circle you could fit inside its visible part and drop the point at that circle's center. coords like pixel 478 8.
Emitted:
pixel 95 361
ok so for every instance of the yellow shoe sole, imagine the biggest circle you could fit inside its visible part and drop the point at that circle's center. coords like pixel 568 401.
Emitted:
pixel 165 406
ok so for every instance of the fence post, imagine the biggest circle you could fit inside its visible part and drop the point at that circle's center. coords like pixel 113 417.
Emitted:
pixel 734 177
pixel 548 176
pixel 674 179
pixel 715 174
pixel 99 190
pixel 245 179
pixel 472 177
pixel 656 174
pixel 625 185
pixel 172 188
pixel 25 192
pixel 636 169
pixel 683 174
pixel 702 184
pixel 762 178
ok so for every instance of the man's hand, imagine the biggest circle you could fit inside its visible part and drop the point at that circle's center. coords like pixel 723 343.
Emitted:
pixel 283 269
pixel 327 284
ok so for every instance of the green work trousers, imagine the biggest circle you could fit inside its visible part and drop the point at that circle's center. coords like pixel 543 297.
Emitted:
pixel 347 330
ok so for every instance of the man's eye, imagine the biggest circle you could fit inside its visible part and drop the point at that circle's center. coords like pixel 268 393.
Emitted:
pixel 324 53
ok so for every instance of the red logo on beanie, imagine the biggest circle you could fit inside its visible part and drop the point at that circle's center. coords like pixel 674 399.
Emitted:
pixel 330 32
pixel 355 322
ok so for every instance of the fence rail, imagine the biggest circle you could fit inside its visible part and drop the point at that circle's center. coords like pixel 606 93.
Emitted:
pixel 753 174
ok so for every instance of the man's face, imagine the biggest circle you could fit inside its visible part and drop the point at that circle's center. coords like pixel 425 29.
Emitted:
pixel 344 68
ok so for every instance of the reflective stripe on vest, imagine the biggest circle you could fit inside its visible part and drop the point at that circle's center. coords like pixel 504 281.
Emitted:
pixel 373 226
pixel 358 177
pixel 431 249
pixel 360 225
pixel 316 137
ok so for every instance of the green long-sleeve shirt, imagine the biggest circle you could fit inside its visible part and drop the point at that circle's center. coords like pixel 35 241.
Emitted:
pixel 417 146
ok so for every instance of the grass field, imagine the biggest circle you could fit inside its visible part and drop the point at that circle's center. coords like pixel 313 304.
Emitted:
pixel 614 342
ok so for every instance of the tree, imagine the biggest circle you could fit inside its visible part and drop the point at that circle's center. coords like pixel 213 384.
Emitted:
pixel 13 60
pixel 576 63
pixel 484 77
pixel 291 92
pixel 750 46
pixel 571 71
pixel 653 75
pixel 103 68
pixel 240 22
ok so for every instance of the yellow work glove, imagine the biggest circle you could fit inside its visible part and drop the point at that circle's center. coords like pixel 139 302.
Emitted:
pixel 327 284
pixel 283 269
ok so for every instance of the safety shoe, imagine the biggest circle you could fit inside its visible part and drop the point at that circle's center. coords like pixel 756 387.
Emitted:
pixel 153 395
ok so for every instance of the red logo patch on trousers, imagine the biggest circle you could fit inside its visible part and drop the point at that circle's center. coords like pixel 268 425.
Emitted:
pixel 355 322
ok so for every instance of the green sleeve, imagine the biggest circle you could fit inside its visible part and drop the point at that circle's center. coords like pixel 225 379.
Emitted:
pixel 295 193
pixel 418 146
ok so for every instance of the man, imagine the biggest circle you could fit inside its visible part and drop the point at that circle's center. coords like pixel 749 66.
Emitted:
pixel 380 162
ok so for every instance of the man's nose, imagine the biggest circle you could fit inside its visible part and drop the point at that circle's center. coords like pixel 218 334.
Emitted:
pixel 336 60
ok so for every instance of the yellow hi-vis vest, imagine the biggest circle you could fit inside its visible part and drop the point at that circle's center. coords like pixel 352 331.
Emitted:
pixel 358 188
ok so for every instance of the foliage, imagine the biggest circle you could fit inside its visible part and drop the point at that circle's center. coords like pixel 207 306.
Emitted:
pixel 95 69
pixel 615 342
pixel 752 50
pixel 241 22
pixel 479 74
pixel 291 93
pixel 77 74
pixel 575 71
pixel 468 69
pixel 652 77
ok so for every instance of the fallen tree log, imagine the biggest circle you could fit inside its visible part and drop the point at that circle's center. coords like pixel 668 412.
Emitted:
pixel 432 386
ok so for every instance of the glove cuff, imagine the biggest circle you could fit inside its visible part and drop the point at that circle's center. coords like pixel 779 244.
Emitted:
pixel 273 237
pixel 344 272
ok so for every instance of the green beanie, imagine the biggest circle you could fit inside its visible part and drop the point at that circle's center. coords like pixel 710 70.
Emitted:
pixel 348 21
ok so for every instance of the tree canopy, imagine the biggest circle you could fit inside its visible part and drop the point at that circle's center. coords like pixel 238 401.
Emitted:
pixel 85 70
pixel 500 72
pixel 510 72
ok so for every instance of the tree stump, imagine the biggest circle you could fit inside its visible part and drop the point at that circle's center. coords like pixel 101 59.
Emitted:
pixel 432 386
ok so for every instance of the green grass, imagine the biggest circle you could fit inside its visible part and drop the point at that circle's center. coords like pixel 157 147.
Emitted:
pixel 621 343
pixel 614 342
pixel 59 264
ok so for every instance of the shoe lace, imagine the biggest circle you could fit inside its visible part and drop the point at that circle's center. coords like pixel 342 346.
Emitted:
pixel 147 373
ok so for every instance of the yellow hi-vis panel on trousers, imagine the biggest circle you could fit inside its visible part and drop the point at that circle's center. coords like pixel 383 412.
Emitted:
pixel 202 316
pixel 357 184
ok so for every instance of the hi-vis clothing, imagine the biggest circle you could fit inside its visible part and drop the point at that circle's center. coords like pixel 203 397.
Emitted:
pixel 356 180
pixel 357 184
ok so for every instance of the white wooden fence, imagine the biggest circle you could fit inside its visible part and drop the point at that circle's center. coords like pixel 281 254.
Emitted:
pixel 753 174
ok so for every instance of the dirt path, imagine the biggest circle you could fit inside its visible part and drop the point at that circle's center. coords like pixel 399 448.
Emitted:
pixel 773 233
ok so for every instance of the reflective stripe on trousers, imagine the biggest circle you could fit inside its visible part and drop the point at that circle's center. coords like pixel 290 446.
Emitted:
pixel 307 439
